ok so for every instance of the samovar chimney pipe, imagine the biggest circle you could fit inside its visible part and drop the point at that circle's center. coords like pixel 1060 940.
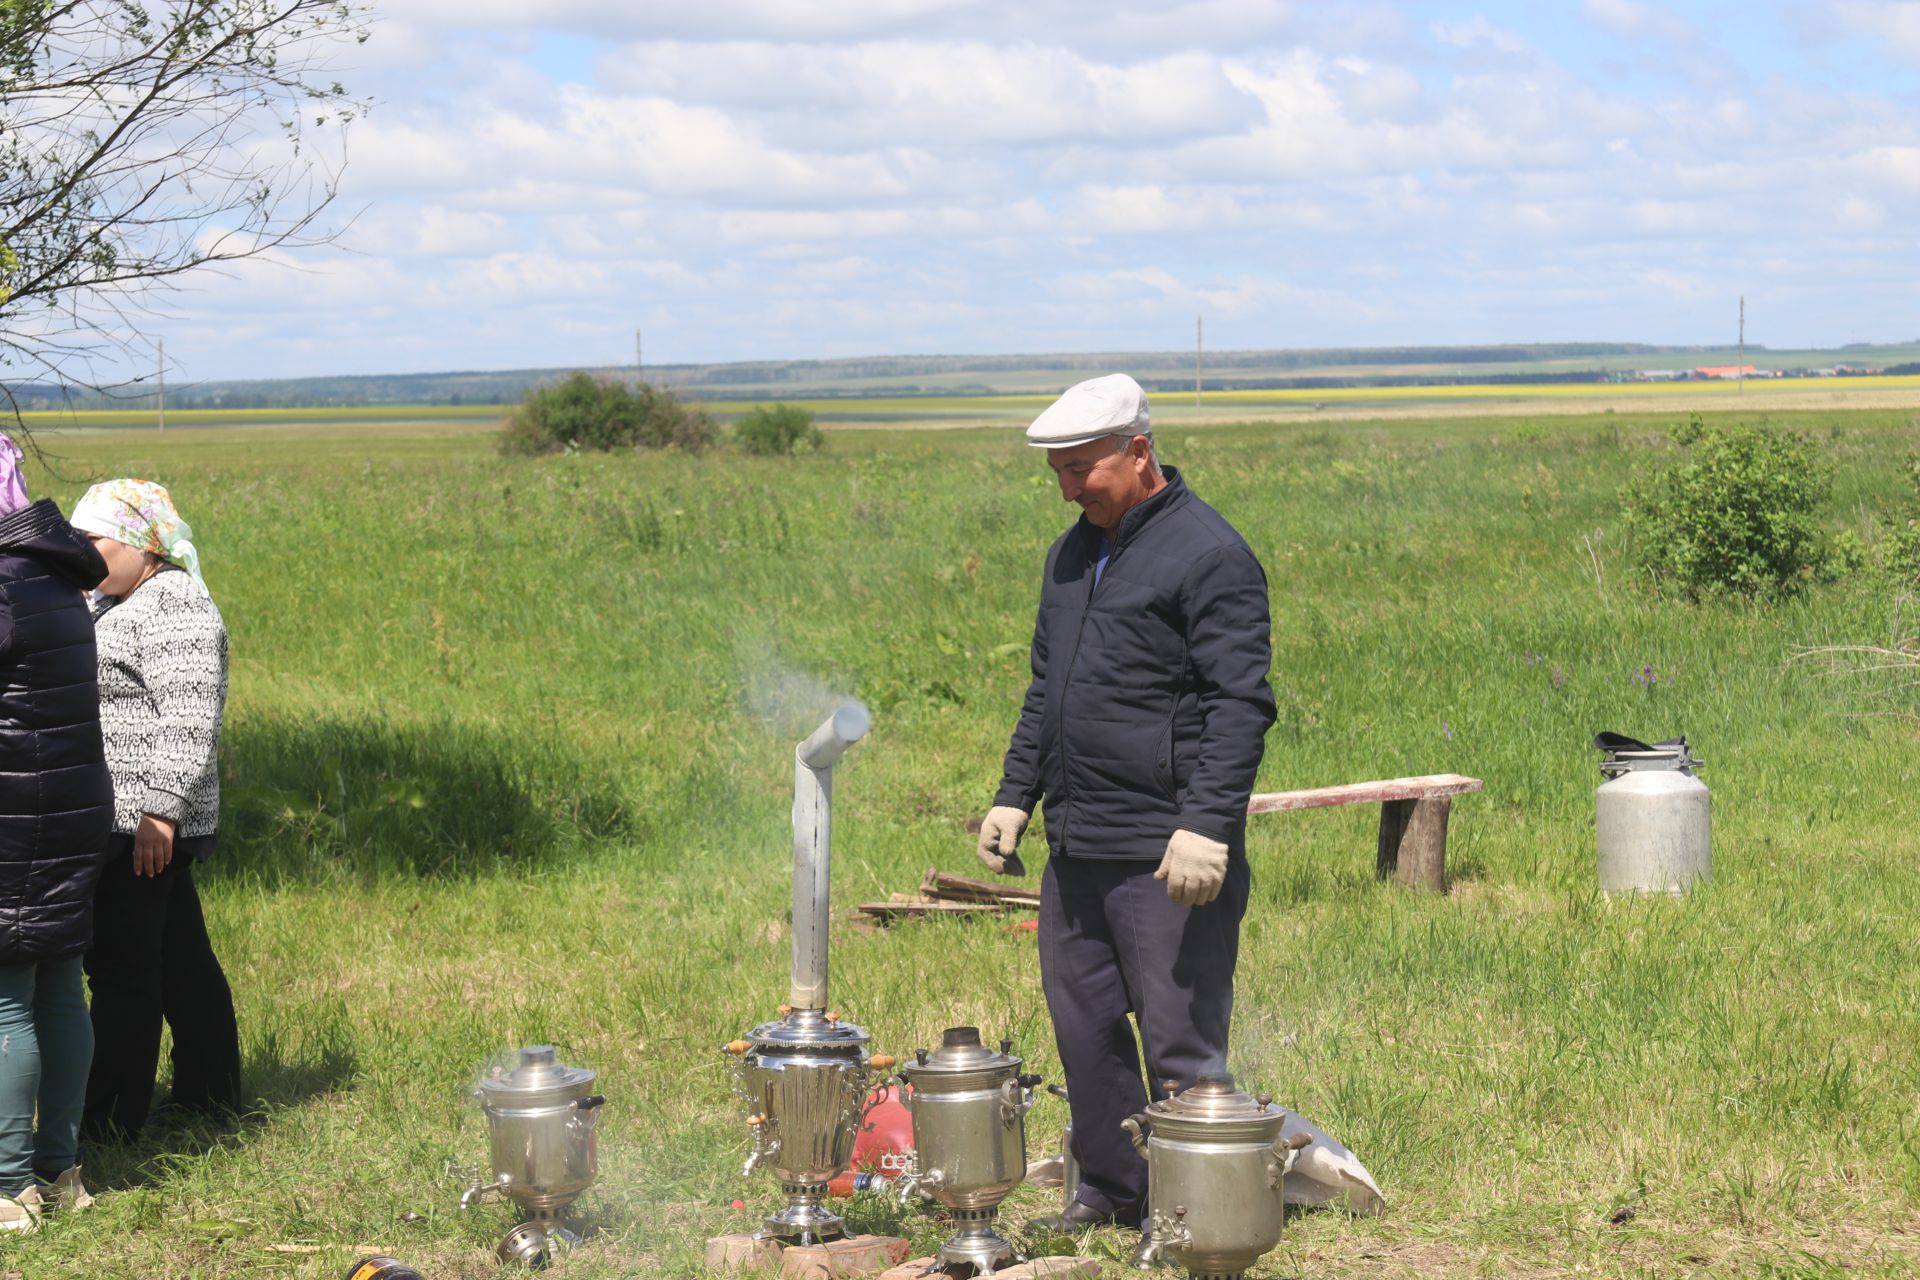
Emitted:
pixel 813 847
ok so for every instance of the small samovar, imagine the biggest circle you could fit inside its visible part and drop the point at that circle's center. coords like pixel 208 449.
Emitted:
pixel 1215 1165
pixel 969 1107
pixel 542 1119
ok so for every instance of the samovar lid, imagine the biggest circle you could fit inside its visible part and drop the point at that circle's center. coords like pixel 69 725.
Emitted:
pixel 1215 1104
pixel 810 1029
pixel 962 1060
pixel 539 1076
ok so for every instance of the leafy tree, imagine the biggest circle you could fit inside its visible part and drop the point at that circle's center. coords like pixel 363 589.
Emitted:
pixel 142 141
pixel 1735 514
pixel 777 430
pixel 584 412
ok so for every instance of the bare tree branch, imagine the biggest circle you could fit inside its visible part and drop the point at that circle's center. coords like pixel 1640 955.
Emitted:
pixel 142 142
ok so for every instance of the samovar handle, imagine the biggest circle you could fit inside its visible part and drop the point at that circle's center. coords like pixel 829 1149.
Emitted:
pixel 1137 1127
pixel 905 1095
pixel 1283 1153
pixel 1016 1098
pixel 586 1113
pixel 880 1092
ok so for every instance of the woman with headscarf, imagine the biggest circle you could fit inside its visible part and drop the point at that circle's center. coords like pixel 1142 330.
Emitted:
pixel 56 809
pixel 163 691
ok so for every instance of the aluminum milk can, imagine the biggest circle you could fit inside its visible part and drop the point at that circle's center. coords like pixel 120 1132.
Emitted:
pixel 969 1107
pixel 1069 1166
pixel 1653 818
pixel 1215 1165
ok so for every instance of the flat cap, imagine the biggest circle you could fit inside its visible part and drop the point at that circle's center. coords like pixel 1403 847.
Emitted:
pixel 1108 406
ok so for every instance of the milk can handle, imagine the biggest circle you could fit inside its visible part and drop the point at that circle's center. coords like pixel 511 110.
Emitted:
pixel 1137 1127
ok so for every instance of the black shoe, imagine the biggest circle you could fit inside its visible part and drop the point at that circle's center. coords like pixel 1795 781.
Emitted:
pixel 1146 1254
pixel 1070 1221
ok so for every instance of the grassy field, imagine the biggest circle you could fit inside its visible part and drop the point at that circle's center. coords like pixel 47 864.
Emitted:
pixel 509 759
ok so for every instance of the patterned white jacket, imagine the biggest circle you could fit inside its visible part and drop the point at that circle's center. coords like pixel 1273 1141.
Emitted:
pixel 163 691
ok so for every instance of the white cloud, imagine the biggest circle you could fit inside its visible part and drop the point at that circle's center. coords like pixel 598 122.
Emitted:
pixel 1896 22
pixel 1639 21
pixel 1478 33
pixel 433 231
pixel 1895 166
pixel 512 278
pixel 931 94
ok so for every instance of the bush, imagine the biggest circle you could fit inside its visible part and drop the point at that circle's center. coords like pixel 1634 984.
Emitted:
pixel 777 430
pixel 1898 551
pixel 1735 515
pixel 583 412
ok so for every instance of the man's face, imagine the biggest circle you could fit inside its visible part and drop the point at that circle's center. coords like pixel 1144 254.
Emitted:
pixel 1107 477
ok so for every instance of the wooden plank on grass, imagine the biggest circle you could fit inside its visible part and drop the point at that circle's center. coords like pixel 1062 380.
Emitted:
pixel 911 910
pixel 946 886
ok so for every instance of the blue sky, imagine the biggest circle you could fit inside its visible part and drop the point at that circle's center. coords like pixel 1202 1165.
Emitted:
pixel 749 179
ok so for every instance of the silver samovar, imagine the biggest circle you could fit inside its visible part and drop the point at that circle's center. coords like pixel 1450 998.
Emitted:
pixel 1215 1165
pixel 969 1107
pixel 541 1118
pixel 805 1076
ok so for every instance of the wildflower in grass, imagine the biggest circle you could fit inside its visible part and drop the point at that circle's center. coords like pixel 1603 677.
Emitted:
pixel 1446 731
pixel 1559 677
pixel 1646 677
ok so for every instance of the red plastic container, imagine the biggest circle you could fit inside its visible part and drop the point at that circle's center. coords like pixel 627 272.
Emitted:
pixel 884 1144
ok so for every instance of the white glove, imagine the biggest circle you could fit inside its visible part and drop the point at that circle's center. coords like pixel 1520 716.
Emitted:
pixel 1000 834
pixel 1194 869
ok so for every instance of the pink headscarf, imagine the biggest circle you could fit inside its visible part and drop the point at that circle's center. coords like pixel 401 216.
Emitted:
pixel 13 490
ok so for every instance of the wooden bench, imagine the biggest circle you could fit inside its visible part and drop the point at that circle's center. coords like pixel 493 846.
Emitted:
pixel 1413 820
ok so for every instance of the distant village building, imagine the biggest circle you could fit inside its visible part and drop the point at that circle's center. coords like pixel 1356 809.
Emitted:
pixel 1734 371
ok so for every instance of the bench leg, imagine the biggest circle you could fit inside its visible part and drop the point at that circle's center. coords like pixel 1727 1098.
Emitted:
pixel 1413 842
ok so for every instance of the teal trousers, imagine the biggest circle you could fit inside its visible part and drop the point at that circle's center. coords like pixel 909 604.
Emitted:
pixel 46 1047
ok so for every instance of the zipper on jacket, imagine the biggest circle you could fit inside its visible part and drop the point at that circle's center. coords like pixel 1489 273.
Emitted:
pixel 1086 607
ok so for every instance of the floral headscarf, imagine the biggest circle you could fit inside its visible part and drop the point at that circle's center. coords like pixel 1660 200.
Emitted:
pixel 13 490
pixel 141 514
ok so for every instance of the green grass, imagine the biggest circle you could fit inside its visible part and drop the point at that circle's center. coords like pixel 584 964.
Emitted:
pixel 508 760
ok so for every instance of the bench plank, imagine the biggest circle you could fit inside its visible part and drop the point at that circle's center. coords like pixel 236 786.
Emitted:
pixel 1429 787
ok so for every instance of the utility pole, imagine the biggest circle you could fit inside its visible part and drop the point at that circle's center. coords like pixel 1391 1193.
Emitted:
pixel 637 361
pixel 1196 361
pixel 1740 383
pixel 161 350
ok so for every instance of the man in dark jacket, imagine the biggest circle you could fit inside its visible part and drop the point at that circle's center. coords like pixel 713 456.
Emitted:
pixel 1141 734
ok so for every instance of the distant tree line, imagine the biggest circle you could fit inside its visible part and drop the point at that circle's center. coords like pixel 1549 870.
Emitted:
pixel 768 380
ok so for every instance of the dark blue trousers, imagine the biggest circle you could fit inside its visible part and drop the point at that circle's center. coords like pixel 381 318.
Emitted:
pixel 1111 944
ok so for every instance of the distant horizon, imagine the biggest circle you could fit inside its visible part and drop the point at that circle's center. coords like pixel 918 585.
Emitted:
pixel 1163 352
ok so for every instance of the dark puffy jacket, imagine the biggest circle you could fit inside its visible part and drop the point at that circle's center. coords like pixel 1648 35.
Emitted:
pixel 56 800
pixel 1149 706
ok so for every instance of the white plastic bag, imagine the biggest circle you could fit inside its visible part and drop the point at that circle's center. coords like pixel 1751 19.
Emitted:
pixel 1325 1173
